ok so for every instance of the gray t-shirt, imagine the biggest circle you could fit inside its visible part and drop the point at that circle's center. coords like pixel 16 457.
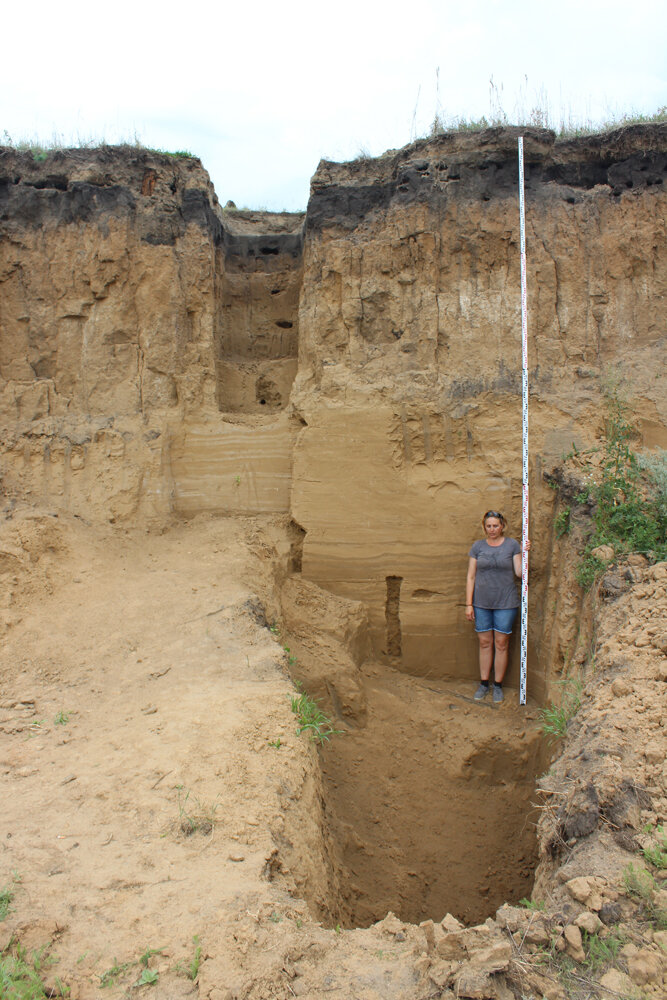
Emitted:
pixel 495 581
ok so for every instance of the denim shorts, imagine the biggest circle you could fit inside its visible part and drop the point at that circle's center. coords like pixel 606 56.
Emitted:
pixel 500 620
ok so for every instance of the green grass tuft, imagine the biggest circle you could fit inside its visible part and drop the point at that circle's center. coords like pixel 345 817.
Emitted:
pixel 555 718
pixel 656 852
pixel 642 887
pixel 20 975
pixel 601 952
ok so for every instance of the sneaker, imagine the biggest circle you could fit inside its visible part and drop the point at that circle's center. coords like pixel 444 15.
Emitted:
pixel 498 693
pixel 481 692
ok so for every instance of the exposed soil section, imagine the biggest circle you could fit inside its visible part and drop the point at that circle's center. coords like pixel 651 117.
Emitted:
pixel 432 802
pixel 241 450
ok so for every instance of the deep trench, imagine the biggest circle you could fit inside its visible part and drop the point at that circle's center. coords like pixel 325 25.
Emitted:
pixel 428 797
pixel 429 804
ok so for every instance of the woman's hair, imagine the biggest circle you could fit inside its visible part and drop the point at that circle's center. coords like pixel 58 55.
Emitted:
pixel 494 513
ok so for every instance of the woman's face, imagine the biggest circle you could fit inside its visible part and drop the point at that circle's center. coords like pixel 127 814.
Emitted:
pixel 493 527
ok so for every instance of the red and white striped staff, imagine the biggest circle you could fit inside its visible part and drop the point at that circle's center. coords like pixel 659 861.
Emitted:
pixel 524 383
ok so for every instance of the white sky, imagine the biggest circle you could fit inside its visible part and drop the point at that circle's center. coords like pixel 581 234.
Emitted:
pixel 262 90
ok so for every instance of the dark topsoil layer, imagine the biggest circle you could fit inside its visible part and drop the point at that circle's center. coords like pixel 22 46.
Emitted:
pixel 165 193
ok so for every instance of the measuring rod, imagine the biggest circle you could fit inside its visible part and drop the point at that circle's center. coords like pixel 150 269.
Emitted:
pixel 524 385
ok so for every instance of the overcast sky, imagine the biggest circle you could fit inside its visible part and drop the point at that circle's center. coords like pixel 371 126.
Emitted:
pixel 261 91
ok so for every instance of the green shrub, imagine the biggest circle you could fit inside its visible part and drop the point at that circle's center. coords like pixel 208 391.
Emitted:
pixel 630 494
pixel 562 522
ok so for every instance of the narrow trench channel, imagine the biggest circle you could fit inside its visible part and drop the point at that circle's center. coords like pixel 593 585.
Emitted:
pixel 430 803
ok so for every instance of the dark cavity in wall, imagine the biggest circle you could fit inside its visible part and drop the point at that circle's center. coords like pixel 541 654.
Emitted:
pixel 296 535
pixel 393 615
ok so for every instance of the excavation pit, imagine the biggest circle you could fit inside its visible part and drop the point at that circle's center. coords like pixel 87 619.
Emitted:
pixel 431 803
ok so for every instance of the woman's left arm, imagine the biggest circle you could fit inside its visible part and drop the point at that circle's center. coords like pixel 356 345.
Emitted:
pixel 517 559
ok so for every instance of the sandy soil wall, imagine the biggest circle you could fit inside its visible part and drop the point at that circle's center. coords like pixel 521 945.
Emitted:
pixel 133 311
pixel 410 359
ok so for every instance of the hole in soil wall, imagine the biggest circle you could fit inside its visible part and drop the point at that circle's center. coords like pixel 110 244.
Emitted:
pixel 296 535
pixel 392 615
pixel 429 803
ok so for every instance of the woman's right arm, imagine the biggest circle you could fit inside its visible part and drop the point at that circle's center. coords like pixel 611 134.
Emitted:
pixel 470 588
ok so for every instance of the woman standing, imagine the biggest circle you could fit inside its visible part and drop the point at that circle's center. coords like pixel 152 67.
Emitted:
pixel 492 600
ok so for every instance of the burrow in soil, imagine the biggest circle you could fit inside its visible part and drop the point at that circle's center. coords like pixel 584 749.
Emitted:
pixel 430 804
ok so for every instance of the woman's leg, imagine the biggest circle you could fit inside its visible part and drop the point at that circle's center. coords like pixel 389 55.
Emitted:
pixel 486 654
pixel 501 643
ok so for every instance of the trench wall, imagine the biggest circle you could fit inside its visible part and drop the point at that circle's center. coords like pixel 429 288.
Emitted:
pixel 360 369
pixel 410 364
pixel 147 339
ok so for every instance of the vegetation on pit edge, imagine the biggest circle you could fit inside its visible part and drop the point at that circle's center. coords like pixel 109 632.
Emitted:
pixel 312 719
pixel 642 886
pixel 41 150
pixel 628 494
pixel 530 110
pixel 555 718
pixel 655 852
pixel 195 816
pixel 540 117
pixel 603 948
pixel 22 974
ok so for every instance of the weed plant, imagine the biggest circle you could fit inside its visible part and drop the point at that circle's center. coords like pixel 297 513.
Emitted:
pixel 312 719
pixel 178 154
pixel 193 967
pixel 109 977
pixel 656 853
pixel 148 954
pixel 21 975
pixel 193 815
pixel 148 977
pixel 6 897
pixel 562 522
pixel 554 718
pixel 531 904
pixel 629 494
pixel 601 952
